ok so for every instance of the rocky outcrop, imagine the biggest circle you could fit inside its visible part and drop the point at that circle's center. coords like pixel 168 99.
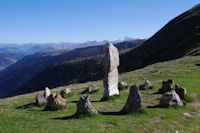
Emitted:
pixel 111 62
pixel 147 85
pixel 55 102
pixel 91 89
pixel 180 91
pixel 47 92
pixel 167 86
pixel 84 106
pixel 134 101
pixel 40 99
pixel 65 92
pixel 169 99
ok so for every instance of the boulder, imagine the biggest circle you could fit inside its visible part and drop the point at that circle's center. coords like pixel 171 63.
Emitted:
pixel 134 102
pixel 111 62
pixel 84 106
pixel 146 85
pixel 65 92
pixel 169 99
pixel 167 86
pixel 91 89
pixel 180 91
pixel 47 92
pixel 40 99
pixel 55 102
pixel 122 85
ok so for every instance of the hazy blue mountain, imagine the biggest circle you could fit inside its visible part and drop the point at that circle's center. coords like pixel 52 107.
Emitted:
pixel 27 68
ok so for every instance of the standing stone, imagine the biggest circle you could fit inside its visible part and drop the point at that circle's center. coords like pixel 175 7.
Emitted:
pixel 55 102
pixel 111 62
pixel 84 106
pixel 134 101
pixel 167 86
pixel 47 92
pixel 40 100
pixel 169 99
pixel 65 92
pixel 180 91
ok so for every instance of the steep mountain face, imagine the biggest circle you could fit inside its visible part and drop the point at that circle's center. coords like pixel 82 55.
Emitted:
pixel 180 37
pixel 15 76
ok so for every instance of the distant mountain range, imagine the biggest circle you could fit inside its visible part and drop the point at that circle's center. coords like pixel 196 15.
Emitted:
pixel 16 75
pixel 180 37
pixel 11 53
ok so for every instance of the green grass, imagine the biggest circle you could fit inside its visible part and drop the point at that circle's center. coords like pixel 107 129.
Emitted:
pixel 20 115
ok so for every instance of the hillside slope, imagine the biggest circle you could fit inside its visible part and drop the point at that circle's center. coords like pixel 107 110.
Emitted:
pixel 178 38
pixel 24 70
pixel 20 115
pixel 9 56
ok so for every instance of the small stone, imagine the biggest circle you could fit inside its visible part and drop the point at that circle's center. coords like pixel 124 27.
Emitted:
pixel 167 86
pixel 55 102
pixel 47 92
pixel 169 99
pixel 122 85
pixel 84 106
pixel 40 100
pixel 187 114
pixel 65 92
pixel 180 91
pixel 91 89
pixel 134 101
pixel 146 85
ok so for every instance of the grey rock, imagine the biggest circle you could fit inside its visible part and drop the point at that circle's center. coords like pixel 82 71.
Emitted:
pixel 122 85
pixel 134 101
pixel 167 86
pixel 187 114
pixel 111 62
pixel 65 92
pixel 180 91
pixel 55 102
pixel 169 99
pixel 146 85
pixel 46 92
pixel 40 99
pixel 84 106
pixel 91 89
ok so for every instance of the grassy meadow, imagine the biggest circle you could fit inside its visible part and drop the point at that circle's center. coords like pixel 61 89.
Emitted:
pixel 20 115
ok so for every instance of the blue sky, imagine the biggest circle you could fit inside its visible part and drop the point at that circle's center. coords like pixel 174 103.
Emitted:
pixel 40 21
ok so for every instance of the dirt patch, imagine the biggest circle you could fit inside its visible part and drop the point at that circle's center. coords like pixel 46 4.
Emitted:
pixel 105 125
pixel 196 103
pixel 156 119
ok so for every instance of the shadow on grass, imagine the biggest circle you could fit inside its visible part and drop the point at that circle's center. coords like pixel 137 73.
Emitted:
pixel 93 101
pixel 155 106
pixel 74 101
pixel 197 64
pixel 27 106
pixel 67 117
pixel 112 113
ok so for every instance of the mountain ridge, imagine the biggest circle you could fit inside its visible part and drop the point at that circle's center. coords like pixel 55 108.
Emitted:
pixel 25 69
pixel 179 37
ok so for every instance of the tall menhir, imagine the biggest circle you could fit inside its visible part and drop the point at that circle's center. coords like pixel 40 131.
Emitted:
pixel 111 62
